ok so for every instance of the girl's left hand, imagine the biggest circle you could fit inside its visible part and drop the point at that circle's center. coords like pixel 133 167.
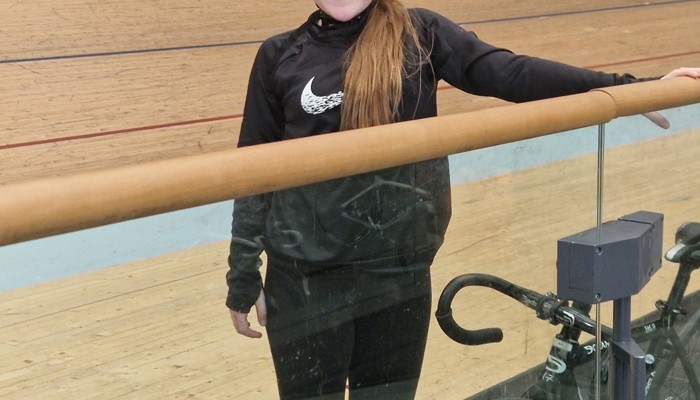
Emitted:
pixel 655 116
pixel 685 71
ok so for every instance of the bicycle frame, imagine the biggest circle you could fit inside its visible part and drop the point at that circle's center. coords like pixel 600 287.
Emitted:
pixel 661 331
pixel 558 380
pixel 658 332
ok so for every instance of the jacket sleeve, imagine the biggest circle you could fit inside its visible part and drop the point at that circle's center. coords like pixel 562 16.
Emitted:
pixel 243 277
pixel 466 62
pixel 262 123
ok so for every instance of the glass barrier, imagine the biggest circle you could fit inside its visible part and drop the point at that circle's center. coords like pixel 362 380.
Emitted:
pixel 642 169
pixel 137 310
pixel 156 322
pixel 648 170
pixel 138 307
pixel 507 221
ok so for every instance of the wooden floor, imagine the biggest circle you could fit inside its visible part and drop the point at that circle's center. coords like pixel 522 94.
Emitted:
pixel 93 84
pixel 89 85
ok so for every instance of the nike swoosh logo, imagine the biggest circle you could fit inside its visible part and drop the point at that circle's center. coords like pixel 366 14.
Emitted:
pixel 314 104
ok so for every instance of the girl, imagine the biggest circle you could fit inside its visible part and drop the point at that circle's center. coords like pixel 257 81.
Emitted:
pixel 347 288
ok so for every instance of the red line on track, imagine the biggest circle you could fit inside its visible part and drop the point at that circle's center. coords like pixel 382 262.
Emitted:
pixel 687 53
pixel 234 116
pixel 120 131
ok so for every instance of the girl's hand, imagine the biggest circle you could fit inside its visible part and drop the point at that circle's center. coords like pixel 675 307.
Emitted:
pixel 656 117
pixel 685 71
pixel 240 319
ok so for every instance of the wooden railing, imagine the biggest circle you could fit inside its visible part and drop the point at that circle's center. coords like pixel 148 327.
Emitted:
pixel 45 207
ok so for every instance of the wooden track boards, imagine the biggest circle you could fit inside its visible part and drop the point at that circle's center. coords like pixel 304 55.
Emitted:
pixel 138 102
pixel 158 328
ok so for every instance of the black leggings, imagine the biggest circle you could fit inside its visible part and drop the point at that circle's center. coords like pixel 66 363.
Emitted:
pixel 347 326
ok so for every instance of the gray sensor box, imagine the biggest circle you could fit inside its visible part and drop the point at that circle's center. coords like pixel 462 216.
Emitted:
pixel 610 263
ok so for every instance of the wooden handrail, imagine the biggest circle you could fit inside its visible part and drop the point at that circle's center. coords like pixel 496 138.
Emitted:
pixel 50 206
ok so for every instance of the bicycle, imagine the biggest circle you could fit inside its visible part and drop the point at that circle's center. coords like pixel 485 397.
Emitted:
pixel 672 356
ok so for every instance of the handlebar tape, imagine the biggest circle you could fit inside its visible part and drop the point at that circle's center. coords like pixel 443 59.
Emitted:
pixel 450 326
pixel 463 336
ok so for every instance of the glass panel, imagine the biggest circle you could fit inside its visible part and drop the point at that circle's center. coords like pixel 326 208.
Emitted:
pixel 646 169
pixel 512 203
pixel 146 321
pixel 159 317
pixel 650 169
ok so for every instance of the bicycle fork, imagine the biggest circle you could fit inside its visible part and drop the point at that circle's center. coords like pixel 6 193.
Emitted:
pixel 558 381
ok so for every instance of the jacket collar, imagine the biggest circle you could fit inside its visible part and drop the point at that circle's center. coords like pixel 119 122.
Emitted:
pixel 327 29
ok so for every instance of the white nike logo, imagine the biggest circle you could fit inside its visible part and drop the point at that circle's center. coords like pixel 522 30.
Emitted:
pixel 313 104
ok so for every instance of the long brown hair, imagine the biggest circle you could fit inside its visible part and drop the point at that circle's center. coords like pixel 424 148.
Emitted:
pixel 378 61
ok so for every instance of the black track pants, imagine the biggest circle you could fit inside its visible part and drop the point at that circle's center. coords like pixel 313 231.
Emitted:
pixel 347 326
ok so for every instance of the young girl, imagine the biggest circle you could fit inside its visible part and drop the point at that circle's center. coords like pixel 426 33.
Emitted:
pixel 346 300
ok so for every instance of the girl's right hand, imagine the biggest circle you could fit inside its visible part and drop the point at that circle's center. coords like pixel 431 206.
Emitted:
pixel 240 319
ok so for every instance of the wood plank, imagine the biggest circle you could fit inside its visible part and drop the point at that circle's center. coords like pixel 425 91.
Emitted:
pixel 58 99
pixel 42 28
pixel 54 159
pixel 55 99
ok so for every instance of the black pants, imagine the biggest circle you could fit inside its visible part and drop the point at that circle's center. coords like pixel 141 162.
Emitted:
pixel 347 325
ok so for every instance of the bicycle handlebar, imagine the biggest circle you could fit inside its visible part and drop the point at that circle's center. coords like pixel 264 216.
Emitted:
pixel 686 250
pixel 546 306
pixel 449 325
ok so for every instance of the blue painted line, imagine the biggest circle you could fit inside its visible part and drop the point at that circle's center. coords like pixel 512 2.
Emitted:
pixel 55 257
pixel 42 260
pixel 256 42
pixel 126 52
